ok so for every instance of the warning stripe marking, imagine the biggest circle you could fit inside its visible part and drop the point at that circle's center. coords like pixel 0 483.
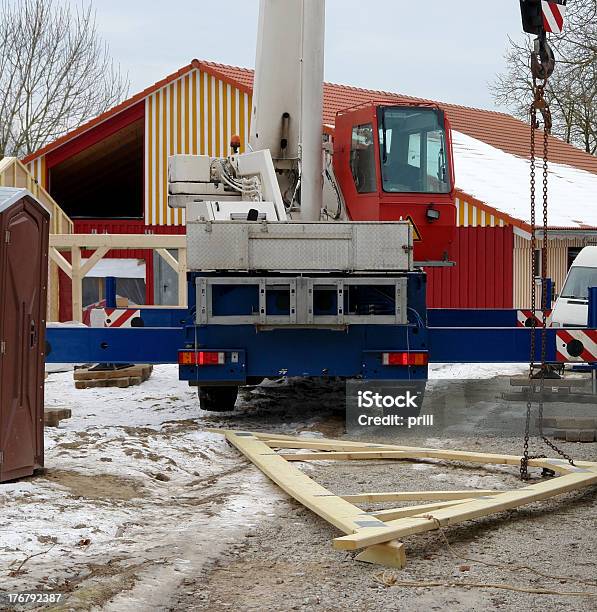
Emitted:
pixel 119 317
pixel 553 16
pixel 523 315
pixel 588 338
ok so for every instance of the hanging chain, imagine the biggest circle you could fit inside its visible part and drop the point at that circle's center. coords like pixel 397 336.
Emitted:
pixel 539 103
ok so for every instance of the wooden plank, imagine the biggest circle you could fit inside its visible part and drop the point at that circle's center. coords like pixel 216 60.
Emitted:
pixel 466 511
pixel 89 374
pixel 392 496
pixel 168 258
pixel 335 445
pixel 391 554
pixel 422 454
pixel 61 261
pixel 396 513
pixel 54 414
pixel 118 241
pixel 88 265
pixel 77 284
pixel 344 456
pixel 340 513
pixel 121 383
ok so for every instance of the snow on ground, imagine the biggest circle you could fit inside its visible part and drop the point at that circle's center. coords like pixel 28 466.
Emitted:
pixel 505 183
pixel 473 371
pixel 131 475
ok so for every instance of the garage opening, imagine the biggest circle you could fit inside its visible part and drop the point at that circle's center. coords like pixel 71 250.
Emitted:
pixel 105 180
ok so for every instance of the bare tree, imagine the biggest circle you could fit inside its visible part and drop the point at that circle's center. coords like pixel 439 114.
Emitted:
pixel 55 73
pixel 571 90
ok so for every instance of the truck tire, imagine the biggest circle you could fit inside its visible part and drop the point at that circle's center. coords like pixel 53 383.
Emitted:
pixel 217 399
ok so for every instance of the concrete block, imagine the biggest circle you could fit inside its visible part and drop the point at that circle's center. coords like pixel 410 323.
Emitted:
pixel 548 422
pixel 572 435
pixel 568 422
pixel 587 435
pixel 559 434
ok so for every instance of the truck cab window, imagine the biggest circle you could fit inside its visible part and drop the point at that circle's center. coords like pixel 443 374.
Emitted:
pixel 362 158
pixel 413 150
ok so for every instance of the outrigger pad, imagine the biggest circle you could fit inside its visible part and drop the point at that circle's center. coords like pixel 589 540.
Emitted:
pixel 379 532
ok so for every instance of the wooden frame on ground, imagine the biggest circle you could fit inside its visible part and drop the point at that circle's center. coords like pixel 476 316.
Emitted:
pixel 378 532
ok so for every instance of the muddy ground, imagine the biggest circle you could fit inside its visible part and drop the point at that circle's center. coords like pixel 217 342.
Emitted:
pixel 140 509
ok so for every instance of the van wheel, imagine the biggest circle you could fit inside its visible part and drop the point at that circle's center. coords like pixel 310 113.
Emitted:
pixel 217 399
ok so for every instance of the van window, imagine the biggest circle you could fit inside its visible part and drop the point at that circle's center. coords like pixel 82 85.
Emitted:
pixel 362 158
pixel 572 254
pixel 578 282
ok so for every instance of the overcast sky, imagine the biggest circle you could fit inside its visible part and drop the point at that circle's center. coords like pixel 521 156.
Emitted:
pixel 447 51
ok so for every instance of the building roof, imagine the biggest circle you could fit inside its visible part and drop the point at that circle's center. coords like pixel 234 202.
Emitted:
pixel 502 179
pixel 497 129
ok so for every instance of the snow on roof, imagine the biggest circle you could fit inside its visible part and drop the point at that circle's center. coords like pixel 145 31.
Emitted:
pixel 501 180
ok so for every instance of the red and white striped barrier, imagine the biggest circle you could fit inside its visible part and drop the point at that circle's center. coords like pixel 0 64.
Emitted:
pixel 525 317
pixel 579 345
pixel 553 16
pixel 113 317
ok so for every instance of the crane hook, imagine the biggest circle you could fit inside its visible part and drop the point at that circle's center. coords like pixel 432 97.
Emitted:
pixel 543 60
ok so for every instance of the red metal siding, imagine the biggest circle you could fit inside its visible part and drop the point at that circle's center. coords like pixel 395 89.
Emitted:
pixel 102 226
pixel 483 275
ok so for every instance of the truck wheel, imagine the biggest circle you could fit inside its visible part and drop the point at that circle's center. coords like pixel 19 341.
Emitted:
pixel 217 399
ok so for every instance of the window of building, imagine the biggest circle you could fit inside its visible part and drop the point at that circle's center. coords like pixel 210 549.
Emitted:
pixel 362 158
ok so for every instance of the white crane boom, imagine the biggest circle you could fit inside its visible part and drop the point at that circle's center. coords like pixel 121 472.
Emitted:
pixel 288 95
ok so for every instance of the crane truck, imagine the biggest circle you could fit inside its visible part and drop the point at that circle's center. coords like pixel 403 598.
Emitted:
pixel 306 258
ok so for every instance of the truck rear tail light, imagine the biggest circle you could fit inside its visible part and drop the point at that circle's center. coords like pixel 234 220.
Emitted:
pixel 405 359
pixel 201 358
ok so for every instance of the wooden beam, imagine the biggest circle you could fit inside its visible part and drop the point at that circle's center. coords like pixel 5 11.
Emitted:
pixel 335 445
pixel 391 554
pixel 88 265
pixel 77 284
pixel 345 456
pixel 395 513
pixel 340 513
pixel 414 453
pixel 168 258
pixel 61 261
pixel 376 498
pixel 118 241
pixel 466 511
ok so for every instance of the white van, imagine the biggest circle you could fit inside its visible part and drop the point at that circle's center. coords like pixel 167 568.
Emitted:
pixel 572 306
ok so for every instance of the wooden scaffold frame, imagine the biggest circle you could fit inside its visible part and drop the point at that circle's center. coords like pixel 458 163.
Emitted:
pixel 378 532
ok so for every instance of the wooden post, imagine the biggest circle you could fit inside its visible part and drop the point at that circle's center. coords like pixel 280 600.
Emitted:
pixel 77 286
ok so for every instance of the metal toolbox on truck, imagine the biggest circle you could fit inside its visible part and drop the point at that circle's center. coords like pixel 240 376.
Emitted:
pixel 295 246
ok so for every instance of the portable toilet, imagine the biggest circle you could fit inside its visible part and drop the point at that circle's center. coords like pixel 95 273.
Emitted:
pixel 24 229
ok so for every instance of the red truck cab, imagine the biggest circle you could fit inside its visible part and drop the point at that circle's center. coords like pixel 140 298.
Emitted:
pixel 395 162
